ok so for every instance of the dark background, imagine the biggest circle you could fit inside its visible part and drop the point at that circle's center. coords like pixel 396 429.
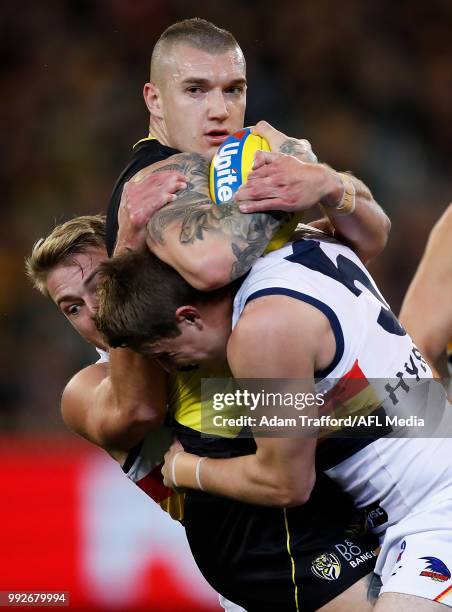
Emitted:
pixel 368 83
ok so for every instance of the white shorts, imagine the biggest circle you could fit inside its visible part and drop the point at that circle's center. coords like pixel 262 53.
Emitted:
pixel 416 555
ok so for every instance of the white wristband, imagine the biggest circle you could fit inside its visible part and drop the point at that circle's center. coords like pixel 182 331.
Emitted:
pixel 173 468
pixel 198 473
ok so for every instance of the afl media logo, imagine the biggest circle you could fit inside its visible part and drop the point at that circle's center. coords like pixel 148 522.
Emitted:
pixel 326 566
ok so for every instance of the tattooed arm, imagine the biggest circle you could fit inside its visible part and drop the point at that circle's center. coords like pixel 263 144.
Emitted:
pixel 208 245
pixel 212 245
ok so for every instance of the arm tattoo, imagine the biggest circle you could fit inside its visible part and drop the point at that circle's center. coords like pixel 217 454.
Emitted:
pixel 298 148
pixel 195 215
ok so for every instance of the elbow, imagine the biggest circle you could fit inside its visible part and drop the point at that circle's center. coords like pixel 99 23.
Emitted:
pixel 209 277
pixel 376 243
pixel 294 493
pixel 146 414
pixel 140 415
pixel 386 229
pixel 381 239
pixel 287 498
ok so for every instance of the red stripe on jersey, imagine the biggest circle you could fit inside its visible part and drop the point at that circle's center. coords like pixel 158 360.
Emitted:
pixel 354 372
pixel 152 485
pixel 352 383
pixel 443 594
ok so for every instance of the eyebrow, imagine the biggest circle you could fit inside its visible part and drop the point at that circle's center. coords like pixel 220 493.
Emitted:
pixel 67 298
pixel 202 81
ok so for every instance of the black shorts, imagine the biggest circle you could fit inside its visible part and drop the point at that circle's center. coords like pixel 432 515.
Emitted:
pixel 268 559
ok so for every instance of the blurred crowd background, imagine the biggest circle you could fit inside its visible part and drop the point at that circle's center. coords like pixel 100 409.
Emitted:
pixel 369 83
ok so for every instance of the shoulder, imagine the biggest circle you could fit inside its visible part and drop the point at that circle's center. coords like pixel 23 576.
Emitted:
pixel 187 163
pixel 274 315
pixel 286 336
pixel 146 152
pixel 79 394
pixel 151 149
pixel 89 376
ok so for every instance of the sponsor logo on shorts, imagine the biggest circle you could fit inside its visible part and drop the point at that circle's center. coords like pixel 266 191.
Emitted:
pixel 376 515
pixel 435 569
pixel 326 566
pixel 353 554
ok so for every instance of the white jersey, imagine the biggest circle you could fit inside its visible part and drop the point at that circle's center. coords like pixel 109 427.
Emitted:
pixel 330 276
pixel 382 474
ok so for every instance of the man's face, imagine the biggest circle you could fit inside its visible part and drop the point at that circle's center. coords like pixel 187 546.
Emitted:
pixel 201 341
pixel 72 286
pixel 202 97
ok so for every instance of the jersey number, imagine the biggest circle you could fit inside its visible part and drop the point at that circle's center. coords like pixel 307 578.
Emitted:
pixel 310 254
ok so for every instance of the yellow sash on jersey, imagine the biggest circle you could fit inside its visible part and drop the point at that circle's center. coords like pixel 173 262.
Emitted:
pixel 188 409
pixel 174 505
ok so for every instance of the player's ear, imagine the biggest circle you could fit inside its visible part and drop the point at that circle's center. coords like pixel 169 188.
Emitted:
pixel 153 99
pixel 189 315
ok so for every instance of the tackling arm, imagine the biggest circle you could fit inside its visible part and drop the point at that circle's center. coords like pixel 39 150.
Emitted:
pixel 279 183
pixel 281 472
pixel 366 229
pixel 223 243
pixel 115 405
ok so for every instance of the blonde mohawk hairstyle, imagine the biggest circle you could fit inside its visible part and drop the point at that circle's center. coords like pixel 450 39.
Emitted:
pixel 66 239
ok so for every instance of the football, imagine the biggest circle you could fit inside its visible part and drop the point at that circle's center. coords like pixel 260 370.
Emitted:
pixel 232 163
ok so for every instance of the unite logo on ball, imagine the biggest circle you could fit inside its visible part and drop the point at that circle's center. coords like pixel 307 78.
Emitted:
pixel 232 163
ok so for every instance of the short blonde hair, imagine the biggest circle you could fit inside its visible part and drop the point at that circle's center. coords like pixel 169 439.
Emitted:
pixel 197 33
pixel 74 236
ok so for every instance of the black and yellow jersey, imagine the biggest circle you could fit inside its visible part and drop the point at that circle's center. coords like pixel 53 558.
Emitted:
pixel 146 152
pixel 194 417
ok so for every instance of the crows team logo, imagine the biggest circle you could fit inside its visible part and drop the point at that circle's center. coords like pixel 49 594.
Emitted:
pixel 435 569
pixel 326 566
